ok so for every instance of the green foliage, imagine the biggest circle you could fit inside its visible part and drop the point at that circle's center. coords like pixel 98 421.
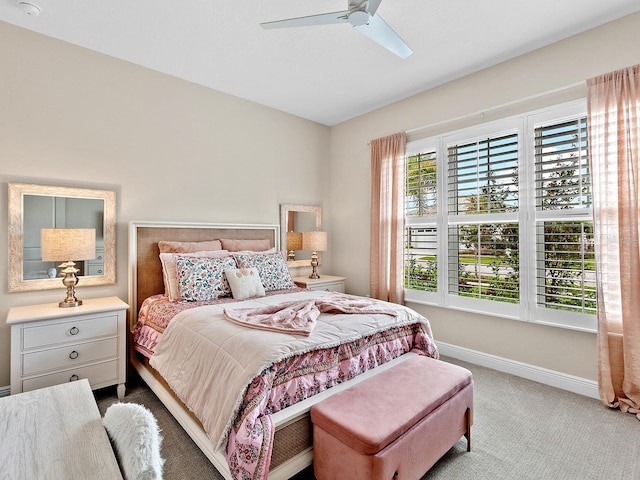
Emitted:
pixel 421 273
pixel 421 185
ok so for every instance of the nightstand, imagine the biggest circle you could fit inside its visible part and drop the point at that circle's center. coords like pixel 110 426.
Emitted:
pixel 327 283
pixel 52 345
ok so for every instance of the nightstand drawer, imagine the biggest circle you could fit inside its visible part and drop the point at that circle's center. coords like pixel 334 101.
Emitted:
pixel 74 331
pixel 96 374
pixel 99 257
pixel 326 283
pixel 68 356
pixel 329 287
pixel 95 270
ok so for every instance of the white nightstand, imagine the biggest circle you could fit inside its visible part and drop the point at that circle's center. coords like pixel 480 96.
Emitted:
pixel 52 345
pixel 327 283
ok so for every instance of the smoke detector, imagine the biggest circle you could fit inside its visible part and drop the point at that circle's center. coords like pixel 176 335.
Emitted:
pixel 29 8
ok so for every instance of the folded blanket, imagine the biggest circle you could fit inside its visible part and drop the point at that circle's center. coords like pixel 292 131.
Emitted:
pixel 299 317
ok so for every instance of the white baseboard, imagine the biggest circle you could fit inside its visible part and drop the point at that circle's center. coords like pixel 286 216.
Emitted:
pixel 5 391
pixel 582 386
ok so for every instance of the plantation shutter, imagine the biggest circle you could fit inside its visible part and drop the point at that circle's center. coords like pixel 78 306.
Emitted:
pixel 565 273
pixel 563 180
pixel 483 175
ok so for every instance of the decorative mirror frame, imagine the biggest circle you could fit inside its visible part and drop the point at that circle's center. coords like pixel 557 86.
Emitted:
pixel 16 193
pixel 285 211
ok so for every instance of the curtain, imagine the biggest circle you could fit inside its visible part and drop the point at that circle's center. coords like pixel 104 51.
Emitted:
pixel 613 114
pixel 387 218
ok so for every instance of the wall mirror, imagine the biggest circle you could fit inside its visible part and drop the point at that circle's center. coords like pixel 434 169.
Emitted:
pixel 299 218
pixel 33 207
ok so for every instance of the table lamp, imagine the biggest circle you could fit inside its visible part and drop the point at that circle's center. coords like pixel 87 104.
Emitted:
pixel 315 242
pixel 63 245
pixel 294 242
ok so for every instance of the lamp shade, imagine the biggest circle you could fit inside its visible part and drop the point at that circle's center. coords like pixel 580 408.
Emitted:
pixel 314 241
pixel 65 244
pixel 294 240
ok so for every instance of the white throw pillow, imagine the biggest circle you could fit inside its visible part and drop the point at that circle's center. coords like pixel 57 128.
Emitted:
pixel 136 439
pixel 244 283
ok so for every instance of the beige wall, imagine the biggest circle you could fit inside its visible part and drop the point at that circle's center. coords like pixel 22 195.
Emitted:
pixel 171 150
pixel 552 68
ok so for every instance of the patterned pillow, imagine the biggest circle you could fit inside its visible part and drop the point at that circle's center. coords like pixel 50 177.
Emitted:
pixel 202 278
pixel 273 270
pixel 169 272
pixel 244 283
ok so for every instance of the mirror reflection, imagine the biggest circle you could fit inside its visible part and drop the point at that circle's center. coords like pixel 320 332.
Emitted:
pixel 34 207
pixel 43 211
pixel 295 219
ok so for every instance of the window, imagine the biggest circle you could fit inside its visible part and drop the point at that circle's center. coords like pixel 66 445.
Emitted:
pixel 499 219
pixel 421 240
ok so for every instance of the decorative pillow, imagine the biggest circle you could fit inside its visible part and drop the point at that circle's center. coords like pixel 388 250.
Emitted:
pixel 136 439
pixel 202 278
pixel 272 267
pixel 170 274
pixel 244 283
pixel 189 247
pixel 234 245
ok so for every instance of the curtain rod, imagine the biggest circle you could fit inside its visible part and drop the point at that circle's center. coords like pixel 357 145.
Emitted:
pixel 497 107
pixel 494 108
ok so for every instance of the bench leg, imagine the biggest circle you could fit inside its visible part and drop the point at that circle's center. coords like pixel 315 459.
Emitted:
pixel 468 432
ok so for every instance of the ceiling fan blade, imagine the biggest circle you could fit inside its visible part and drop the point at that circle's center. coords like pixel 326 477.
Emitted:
pixel 322 19
pixel 373 5
pixel 381 33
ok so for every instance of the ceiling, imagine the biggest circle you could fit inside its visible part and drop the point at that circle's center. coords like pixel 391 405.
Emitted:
pixel 328 73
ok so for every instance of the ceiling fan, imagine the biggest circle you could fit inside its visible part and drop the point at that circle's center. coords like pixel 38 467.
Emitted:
pixel 361 14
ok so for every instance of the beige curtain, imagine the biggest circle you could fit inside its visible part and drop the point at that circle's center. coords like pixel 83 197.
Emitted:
pixel 614 133
pixel 387 218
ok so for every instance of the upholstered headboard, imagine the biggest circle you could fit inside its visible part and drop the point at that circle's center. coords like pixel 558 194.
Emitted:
pixel 145 269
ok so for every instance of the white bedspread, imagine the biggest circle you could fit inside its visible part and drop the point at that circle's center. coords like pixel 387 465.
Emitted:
pixel 208 361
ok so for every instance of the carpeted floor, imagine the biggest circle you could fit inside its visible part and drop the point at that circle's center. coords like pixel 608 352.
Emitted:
pixel 522 430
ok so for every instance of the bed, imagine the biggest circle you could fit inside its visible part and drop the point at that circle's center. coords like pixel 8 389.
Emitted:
pixel 288 447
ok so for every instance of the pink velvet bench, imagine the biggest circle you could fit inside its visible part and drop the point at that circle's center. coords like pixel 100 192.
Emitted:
pixel 395 425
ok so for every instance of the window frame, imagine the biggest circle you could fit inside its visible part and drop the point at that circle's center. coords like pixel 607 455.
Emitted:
pixel 527 218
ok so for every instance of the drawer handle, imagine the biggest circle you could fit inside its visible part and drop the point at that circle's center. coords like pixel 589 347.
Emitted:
pixel 74 378
pixel 74 331
pixel 73 355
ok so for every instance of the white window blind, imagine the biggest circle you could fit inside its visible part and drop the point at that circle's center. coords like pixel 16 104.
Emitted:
pixel 483 181
pixel 562 166
pixel 483 175
pixel 421 183
pixel 565 257
pixel 421 206
pixel 499 219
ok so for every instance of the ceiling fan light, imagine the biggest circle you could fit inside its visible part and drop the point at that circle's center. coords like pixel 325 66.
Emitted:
pixel 358 18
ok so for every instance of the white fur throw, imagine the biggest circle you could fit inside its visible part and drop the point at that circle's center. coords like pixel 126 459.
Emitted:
pixel 134 432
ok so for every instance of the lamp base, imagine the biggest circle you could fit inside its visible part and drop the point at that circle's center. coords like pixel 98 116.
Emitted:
pixel 314 264
pixel 70 303
pixel 70 281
